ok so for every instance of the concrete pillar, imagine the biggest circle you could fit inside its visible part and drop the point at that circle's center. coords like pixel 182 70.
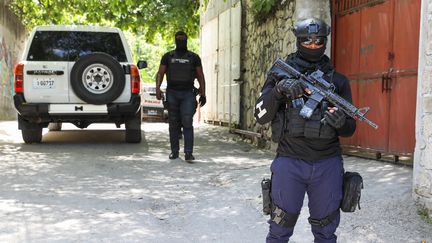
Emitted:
pixel 422 183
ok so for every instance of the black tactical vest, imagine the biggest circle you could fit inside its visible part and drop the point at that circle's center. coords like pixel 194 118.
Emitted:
pixel 181 70
pixel 288 122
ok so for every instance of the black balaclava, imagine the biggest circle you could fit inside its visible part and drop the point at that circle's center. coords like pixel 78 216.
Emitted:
pixel 312 55
pixel 181 45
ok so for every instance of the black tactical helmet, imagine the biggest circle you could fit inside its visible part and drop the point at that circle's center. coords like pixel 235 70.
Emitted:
pixel 311 27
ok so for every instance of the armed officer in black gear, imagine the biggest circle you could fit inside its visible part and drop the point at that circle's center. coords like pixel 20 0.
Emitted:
pixel 308 155
pixel 182 67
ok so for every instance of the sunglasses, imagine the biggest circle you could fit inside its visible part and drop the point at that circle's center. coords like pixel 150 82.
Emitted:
pixel 312 40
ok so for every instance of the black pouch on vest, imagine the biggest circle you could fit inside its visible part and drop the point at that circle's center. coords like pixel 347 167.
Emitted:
pixel 352 186
pixel 312 129
pixel 295 123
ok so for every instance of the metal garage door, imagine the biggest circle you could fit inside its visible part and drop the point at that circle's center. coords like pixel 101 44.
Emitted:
pixel 221 62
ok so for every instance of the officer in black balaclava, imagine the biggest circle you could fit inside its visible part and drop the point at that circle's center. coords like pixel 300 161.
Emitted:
pixel 181 67
pixel 181 41
pixel 309 156
pixel 311 38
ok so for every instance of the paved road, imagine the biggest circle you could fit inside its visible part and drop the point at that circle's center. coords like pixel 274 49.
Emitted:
pixel 89 186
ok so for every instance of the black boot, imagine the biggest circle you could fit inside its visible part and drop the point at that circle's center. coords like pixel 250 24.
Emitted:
pixel 189 157
pixel 174 155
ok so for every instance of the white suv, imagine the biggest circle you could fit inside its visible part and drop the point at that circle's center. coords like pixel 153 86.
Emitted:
pixel 77 74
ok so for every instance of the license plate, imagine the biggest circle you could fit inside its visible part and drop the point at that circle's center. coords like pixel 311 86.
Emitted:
pixel 152 112
pixel 152 102
pixel 46 83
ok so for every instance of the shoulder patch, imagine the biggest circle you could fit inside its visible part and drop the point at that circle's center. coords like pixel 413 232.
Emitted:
pixel 261 112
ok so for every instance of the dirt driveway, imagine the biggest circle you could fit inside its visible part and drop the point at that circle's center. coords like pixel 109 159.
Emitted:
pixel 89 186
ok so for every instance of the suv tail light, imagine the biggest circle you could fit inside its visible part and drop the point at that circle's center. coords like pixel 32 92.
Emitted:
pixel 19 78
pixel 135 78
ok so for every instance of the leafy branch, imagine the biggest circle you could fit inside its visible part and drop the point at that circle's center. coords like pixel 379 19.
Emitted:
pixel 261 9
pixel 146 17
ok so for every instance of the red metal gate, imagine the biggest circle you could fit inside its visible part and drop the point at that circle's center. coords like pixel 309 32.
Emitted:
pixel 375 43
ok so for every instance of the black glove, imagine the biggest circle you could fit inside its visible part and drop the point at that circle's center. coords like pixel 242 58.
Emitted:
pixel 335 119
pixel 195 91
pixel 202 100
pixel 292 88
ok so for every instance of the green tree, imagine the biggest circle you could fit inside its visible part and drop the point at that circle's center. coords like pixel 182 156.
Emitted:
pixel 143 17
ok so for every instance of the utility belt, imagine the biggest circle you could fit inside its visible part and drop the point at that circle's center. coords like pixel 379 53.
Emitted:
pixel 352 185
pixel 288 122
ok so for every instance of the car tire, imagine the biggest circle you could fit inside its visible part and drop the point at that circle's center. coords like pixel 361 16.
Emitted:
pixel 97 78
pixel 31 132
pixel 54 126
pixel 133 128
pixel 32 135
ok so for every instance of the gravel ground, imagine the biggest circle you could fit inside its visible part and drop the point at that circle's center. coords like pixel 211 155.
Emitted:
pixel 89 186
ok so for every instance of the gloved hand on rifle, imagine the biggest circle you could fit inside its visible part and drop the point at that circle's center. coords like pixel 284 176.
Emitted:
pixel 202 100
pixel 292 88
pixel 335 117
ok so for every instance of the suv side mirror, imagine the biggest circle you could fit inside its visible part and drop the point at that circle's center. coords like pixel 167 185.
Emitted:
pixel 141 64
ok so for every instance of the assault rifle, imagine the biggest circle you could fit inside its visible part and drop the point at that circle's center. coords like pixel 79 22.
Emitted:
pixel 320 90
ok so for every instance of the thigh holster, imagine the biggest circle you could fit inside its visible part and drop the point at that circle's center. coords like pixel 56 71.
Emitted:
pixel 277 214
pixel 283 218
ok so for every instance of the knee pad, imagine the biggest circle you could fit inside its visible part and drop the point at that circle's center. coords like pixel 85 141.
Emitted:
pixel 187 121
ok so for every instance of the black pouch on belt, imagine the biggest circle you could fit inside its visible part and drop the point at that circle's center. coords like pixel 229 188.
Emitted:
pixel 266 195
pixel 352 186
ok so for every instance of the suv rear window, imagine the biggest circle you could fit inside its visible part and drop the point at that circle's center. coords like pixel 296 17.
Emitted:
pixel 69 45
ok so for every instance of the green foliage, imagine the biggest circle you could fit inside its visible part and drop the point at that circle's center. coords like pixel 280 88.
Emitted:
pixel 424 214
pixel 261 9
pixel 152 53
pixel 143 17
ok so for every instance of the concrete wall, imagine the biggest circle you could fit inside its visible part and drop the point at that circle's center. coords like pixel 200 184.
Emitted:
pixel 422 183
pixel 263 42
pixel 214 8
pixel 12 37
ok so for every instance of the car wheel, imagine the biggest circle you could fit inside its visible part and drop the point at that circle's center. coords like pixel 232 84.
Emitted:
pixel 32 135
pixel 31 132
pixel 54 126
pixel 97 78
pixel 133 128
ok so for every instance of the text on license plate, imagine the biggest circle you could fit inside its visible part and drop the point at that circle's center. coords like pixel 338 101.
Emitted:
pixel 43 83
pixel 152 112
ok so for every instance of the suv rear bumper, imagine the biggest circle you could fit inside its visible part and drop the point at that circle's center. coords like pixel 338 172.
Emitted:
pixel 39 112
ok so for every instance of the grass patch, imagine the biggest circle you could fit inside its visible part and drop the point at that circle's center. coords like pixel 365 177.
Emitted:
pixel 424 214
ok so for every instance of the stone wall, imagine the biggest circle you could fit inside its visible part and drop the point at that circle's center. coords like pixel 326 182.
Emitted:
pixel 422 183
pixel 262 43
pixel 12 37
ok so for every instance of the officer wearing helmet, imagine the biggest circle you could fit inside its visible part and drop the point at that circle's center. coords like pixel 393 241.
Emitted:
pixel 182 67
pixel 308 156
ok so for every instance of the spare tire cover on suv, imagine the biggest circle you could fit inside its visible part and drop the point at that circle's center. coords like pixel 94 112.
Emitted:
pixel 97 78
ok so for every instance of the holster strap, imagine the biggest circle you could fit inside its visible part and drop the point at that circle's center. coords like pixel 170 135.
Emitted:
pixel 324 221
pixel 283 218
